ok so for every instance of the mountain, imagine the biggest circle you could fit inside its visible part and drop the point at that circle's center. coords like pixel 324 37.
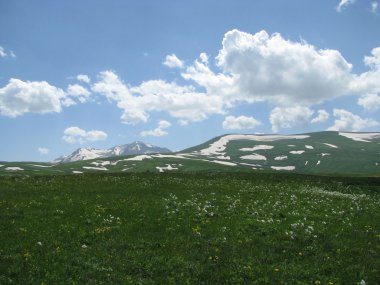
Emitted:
pixel 327 152
pixel 134 148
pixel 321 153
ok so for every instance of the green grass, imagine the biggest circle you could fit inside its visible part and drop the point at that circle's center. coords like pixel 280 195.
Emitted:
pixel 193 228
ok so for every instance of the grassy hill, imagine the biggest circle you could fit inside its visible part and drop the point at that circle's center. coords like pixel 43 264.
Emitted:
pixel 323 153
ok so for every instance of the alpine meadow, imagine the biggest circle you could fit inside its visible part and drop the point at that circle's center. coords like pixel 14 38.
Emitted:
pixel 190 142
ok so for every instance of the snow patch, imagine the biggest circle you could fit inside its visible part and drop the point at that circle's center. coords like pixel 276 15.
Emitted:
pixel 101 163
pixel 309 146
pixel 319 162
pixel 170 156
pixel 13 168
pixel 254 156
pixel 94 168
pixel 223 157
pixel 1 165
pixel 291 145
pixel 77 172
pixel 330 145
pixel 297 151
pixel 306 162
pixel 138 158
pixel 220 145
pixel 325 154
pixel 38 165
pixel 257 147
pixel 250 164
pixel 361 137
pixel 167 167
pixel 283 167
pixel 224 162
pixel 282 157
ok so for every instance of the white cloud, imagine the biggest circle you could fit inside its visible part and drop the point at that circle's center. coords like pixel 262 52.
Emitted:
pixel 181 102
pixel 321 117
pixel 239 123
pixel 249 68
pixel 203 58
pixel 374 7
pixel 159 131
pixel 282 118
pixel 19 97
pixel 77 135
pixel 265 67
pixel 4 53
pixel 84 78
pixel 252 67
pixel 346 121
pixel 370 102
pixel 79 92
pixel 43 150
pixel 344 3
pixel 368 82
pixel 173 61
pixel 218 85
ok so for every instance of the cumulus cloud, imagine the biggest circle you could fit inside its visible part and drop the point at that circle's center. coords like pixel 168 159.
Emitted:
pixel 321 117
pixel 251 68
pixel 346 121
pixel 77 135
pixel 281 118
pixel 343 4
pixel 368 82
pixel 173 61
pixel 43 150
pixel 239 123
pixel 79 92
pixel 269 67
pixel 4 53
pixel 181 102
pixel 159 131
pixel 370 102
pixel 19 97
pixel 247 69
pixel 84 78
pixel 218 85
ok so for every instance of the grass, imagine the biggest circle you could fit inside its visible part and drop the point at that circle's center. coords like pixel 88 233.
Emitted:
pixel 216 228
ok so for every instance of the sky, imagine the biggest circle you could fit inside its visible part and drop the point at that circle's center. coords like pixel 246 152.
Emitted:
pixel 91 73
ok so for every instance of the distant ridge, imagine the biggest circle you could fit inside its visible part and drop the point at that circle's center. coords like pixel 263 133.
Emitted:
pixel 321 153
pixel 134 148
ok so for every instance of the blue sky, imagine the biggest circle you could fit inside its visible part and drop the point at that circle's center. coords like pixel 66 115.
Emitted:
pixel 177 73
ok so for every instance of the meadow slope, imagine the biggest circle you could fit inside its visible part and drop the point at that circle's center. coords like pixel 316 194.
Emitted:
pixel 172 228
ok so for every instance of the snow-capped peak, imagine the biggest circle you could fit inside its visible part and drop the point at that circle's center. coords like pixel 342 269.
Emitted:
pixel 136 147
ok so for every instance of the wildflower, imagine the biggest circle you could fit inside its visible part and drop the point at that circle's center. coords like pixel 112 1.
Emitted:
pixel 39 243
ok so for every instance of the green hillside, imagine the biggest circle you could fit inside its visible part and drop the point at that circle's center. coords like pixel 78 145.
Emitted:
pixel 323 153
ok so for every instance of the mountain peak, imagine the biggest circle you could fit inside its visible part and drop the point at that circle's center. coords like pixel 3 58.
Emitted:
pixel 134 148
